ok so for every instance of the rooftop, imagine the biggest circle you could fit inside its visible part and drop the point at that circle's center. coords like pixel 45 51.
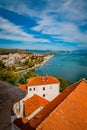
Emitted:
pixel 33 103
pixel 67 111
pixel 42 80
pixel 23 86
pixel 9 94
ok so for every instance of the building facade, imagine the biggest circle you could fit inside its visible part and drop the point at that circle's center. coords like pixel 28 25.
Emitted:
pixel 46 88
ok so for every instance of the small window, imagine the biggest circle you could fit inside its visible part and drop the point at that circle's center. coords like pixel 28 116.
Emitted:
pixel 43 88
pixel 34 89
pixel 30 89
pixel 43 95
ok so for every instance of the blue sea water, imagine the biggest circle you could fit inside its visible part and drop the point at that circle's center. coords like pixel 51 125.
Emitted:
pixel 66 65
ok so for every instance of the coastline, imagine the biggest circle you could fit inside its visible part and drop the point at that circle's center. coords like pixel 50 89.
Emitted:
pixel 46 58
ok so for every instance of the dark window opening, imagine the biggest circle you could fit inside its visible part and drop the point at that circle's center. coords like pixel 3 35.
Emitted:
pixel 34 89
pixel 30 89
pixel 43 88
pixel 43 95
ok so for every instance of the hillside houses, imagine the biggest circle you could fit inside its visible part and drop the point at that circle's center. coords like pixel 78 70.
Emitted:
pixel 12 59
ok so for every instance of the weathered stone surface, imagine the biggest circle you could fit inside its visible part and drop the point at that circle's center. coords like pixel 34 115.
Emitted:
pixel 8 96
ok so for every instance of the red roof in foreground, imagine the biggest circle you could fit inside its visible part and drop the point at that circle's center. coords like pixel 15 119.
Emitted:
pixel 33 103
pixel 42 80
pixel 68 111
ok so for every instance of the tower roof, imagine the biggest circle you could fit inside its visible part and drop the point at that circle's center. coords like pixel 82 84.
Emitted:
pixel 9 94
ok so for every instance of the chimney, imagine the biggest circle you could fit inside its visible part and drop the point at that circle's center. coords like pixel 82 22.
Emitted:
pixel 8 96
pixel 43 79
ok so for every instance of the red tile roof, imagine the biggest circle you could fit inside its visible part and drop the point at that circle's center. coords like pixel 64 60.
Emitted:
pixel 71 114
pixel 31 104
pixel 23 86
pixel 68 111
pixel 39 80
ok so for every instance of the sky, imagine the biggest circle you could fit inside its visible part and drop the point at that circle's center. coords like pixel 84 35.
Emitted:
pixel 43 24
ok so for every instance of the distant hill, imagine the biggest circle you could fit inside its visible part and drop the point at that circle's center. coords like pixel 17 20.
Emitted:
pixel 80 51
pixel 8 51
pixel 56 51
pixel 45 51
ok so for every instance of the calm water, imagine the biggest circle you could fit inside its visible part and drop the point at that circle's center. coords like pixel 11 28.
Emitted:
pixel 69 66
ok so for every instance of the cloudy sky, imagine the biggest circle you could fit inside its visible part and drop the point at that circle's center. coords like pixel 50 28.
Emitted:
pixel 43 24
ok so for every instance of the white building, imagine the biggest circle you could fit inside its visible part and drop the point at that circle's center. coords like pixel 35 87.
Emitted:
pixel 46 87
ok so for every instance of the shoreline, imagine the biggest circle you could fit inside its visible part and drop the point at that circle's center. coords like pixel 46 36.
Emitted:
pixel 46 58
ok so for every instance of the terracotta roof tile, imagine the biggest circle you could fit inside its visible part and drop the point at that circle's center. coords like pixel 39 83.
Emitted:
pixel 33 103
pixel 23 86
pixel 68 111
pixel 39 80
pixel 71 114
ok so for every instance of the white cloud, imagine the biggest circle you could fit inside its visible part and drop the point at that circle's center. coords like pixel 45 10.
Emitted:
pixel 13 32
pixel 68 32
pixel 69 9
pixel 71 12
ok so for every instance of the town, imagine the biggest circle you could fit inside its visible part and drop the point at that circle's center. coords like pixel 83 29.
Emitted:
pixel 22 60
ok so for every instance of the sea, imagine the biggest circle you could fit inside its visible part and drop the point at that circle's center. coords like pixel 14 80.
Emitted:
pixel 70 66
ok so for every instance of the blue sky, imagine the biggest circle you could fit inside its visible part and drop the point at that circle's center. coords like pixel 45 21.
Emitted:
pixel 43 24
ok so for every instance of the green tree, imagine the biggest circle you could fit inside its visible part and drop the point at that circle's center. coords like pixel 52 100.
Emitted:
pixel 63 84
pixel 8 76
pixel 23 78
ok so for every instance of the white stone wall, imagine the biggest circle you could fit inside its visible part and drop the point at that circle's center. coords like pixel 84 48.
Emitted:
pixel 50 92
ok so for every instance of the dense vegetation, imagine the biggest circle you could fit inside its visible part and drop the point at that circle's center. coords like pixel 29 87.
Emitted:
pixel 63 83
pixel 7 74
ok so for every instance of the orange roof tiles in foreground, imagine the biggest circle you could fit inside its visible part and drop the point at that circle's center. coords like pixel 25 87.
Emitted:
pixel 42 80
pixel 68 111
pixel 31 104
